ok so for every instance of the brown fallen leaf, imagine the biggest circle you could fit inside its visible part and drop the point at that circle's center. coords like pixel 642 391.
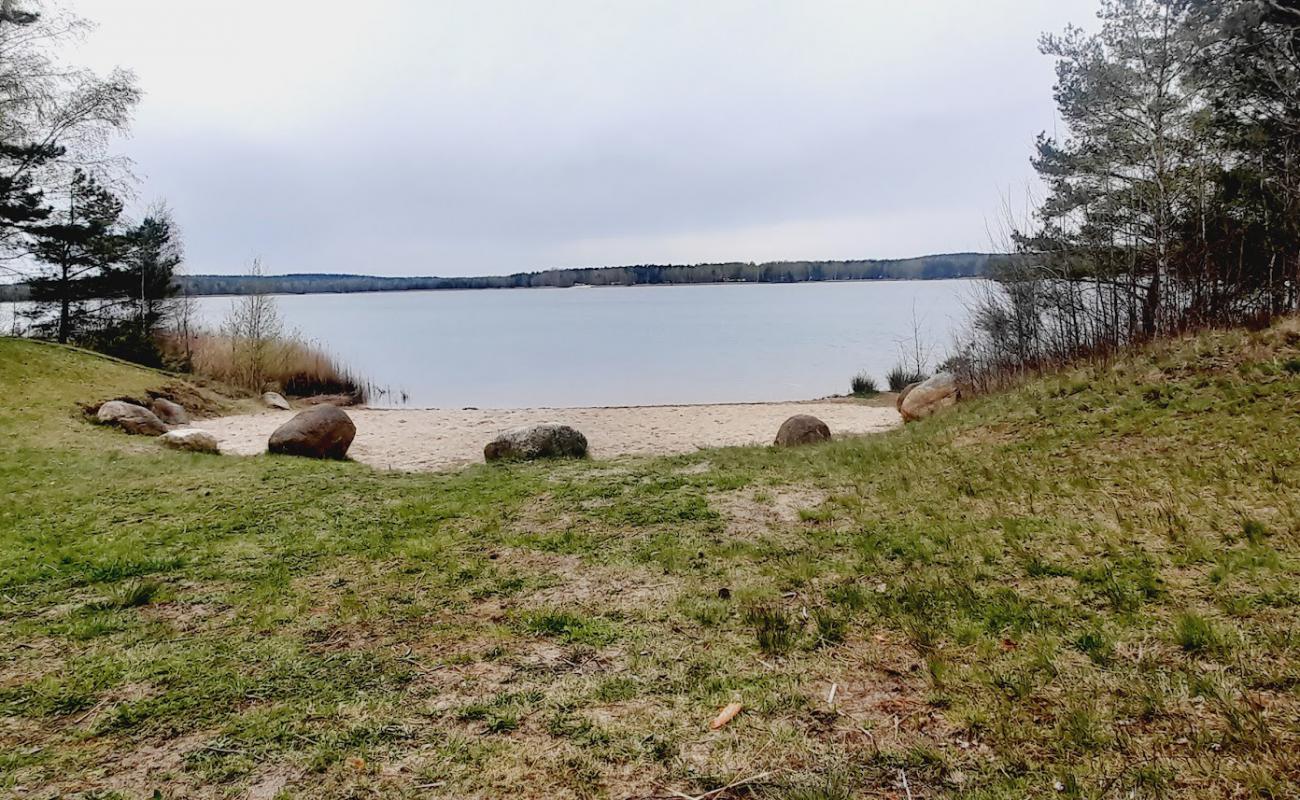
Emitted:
pixel 726 715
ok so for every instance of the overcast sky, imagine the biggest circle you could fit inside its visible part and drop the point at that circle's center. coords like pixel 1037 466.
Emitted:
pixel 419 137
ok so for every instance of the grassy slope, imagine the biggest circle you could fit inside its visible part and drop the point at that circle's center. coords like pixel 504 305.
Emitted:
pixel 1083 588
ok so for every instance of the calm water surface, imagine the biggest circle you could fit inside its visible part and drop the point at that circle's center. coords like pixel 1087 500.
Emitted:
pixel 642 345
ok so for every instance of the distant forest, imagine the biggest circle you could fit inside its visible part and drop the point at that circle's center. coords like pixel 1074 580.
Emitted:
pixel 956 265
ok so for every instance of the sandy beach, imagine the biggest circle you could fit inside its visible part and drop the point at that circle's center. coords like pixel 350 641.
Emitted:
pixel 437 439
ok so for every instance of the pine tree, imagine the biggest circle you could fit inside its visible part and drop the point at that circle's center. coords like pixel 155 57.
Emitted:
pixel 76 249
pixel 147 280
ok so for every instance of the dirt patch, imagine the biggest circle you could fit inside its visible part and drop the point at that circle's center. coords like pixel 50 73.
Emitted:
pixel 694 469
pixel 758 511
pixel 137 769
pixel 180 616
pixel 573 581
pixel 538 515
pixel 269 784
pixel 985 437
pixel 199 401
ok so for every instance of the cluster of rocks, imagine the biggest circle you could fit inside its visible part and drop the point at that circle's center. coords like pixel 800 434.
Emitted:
pixel 163 418
pixel 322 431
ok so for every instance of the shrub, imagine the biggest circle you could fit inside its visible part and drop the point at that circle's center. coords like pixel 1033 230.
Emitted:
pixel 900 376
pixel 864 385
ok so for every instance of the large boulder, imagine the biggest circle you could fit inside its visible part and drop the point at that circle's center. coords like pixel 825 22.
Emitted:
pixel 537 441
pixel 275 400
pixel 131 418
pixel 898 401
pixel 192 440
pixel 931 395
pixel 319 432
pixel 169 412
pixel 802 429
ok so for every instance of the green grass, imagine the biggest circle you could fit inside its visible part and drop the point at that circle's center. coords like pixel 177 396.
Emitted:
pixel 1089 582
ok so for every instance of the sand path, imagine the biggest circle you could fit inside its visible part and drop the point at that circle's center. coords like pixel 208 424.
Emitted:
pixel 436 439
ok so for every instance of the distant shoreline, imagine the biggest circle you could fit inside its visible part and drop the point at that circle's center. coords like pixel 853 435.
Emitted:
pixel 946 266
pixel 609 286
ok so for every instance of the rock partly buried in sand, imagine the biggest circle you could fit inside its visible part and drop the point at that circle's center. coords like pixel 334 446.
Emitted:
pixel 537 441
pixel 319 432
pixel 931 395
pixel 275 400
pixel 131 418
pixel 169 412
pixel 190 439
pixel 802 429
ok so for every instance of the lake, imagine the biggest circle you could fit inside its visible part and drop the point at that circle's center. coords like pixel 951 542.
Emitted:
pixel 640 345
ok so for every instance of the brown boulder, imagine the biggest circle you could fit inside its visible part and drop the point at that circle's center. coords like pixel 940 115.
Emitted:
pixel 898 401
pixel 319 432
pixel 131 418
pixel 931 395
pixel 169 412
pixel 802 429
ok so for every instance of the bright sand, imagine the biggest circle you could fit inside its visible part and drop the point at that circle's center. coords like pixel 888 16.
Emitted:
pixel 435 439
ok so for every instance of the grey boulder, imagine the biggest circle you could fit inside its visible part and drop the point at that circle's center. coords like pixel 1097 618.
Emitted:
pixel 169 412
pixel 802 429
pixel 131 418
pixel 931 395
pixel 537 441
pixel 275 400
pixel 192 440
pixel 319 432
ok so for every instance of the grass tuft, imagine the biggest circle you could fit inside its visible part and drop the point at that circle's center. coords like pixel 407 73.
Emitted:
pixel 1196 634
pixel 863 385
pixel 774 628
pixel 131 594
pixel 900 377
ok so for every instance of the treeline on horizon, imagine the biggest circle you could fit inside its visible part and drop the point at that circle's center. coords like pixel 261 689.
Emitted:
pixel 956 265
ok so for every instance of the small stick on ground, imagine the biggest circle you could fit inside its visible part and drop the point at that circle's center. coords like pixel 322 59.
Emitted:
pixel 716 792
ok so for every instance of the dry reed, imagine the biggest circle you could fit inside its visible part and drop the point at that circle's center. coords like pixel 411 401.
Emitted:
pixel 289 365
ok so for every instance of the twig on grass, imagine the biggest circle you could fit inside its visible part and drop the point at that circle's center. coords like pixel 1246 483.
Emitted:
pixel 717 792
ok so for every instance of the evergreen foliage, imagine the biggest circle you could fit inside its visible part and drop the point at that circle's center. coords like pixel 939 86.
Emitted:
pixel 1173 197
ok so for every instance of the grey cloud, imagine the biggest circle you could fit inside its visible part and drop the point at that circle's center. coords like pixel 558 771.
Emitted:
pixel 638 135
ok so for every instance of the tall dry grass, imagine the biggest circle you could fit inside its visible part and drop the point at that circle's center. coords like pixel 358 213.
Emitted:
pixel 286 364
